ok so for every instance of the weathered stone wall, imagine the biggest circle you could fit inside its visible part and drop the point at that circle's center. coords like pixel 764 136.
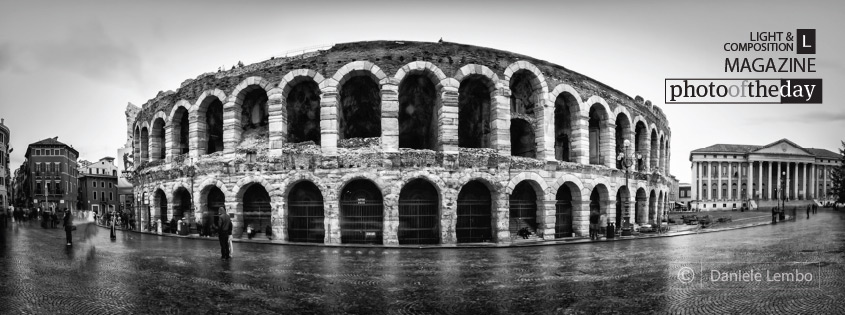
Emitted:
pixel 361 93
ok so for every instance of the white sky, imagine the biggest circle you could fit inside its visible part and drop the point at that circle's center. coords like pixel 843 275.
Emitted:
pixel 68 68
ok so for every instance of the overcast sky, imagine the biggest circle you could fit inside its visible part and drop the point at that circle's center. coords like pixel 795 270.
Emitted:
pixel 68 68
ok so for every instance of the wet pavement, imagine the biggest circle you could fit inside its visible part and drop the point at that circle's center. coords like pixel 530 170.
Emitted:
pixel 144 274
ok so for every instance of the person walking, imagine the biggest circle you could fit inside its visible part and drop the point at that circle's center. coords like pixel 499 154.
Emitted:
pixel 68 224
pixel 224 233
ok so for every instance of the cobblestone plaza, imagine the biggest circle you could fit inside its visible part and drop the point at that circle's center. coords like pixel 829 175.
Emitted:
pixel 147 274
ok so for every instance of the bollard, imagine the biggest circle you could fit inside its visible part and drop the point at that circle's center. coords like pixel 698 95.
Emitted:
pixel 158 226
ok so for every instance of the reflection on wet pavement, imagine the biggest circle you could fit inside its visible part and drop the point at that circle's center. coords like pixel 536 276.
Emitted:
pixel 142 274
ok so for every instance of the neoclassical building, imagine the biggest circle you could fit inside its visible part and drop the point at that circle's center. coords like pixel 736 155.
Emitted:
pixel 393 142
pixel 727 176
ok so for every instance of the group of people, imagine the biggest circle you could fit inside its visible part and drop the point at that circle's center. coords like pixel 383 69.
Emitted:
pixel 813 208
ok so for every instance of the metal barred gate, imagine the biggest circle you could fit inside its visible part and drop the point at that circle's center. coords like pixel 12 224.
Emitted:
pixel 523 214
pixel 257 214
pixel 305 222
pixel 563 219
pixel 474 221
pixel 418 222
pixel 361 221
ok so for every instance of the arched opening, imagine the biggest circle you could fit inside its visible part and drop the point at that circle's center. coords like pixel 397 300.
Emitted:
pixel 306 214
pixel 524 99
pixel 598 200
pixel 654 151
pixel 640 144
pixel 640 207
pixel 145 145
pixel 623 131
pixel 475 206
pixel 566 110
pixel 303 110
pixel 652 206
pixel 211 129
pixel 622 215
pixel 417 112
pixel 213 201
pixel 160 203
pixel 255 121
pixel 157 140
pixel 419 213
pixel 181 204
pixel 597 127
pixel 568 198
pixel 704 192
pixel 360 107
pixel 474 129
pixel 256 208
pixel 522 139
pixel 180 124
pixel 662 160
pixel 523 209
pixel 361 213
pixel 136 150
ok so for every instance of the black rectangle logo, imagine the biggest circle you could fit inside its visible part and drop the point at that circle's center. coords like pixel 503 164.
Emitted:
pixel 805 41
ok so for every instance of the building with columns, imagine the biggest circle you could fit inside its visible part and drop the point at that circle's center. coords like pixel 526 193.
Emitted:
pixel 726 176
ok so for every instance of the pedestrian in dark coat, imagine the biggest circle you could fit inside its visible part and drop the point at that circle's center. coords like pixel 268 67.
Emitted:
pixel 224 233
pixel 808 211
pixel 68 224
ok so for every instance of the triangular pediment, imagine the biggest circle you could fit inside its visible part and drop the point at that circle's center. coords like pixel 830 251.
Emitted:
pixel 783 146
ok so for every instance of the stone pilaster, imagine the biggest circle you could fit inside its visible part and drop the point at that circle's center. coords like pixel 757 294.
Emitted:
pixel 580 151
pixel 231 126
pixel 608 145
pixel 448 120
pixel 278 121
pixel 546 216
pixel 500 218
pixel 329 123
pixel 390 118
pixel 500 121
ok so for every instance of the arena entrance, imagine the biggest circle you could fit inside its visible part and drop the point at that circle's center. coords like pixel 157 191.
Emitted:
pixel 256 209
pixel 523 209
pixel 181 204
pixel 474 220
pixel 213 202
pixel 563 210
pixel 419 209
pixel 361 213
pixel 161 205
pixel 306 214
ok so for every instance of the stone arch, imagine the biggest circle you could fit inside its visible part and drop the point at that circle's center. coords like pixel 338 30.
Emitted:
pixel 652 205
pixel 539 92
pixel 420 105
pixel 136 145
pixel 641 142
pixel 600 132
pixel 145 142
pixel 348 178
pixel 536 181
pixel 438 183
pixel 560 181
pixel 359 121
pixel 623 132
pixel 281 122
pixel 654 149
pixel 563 135
pixel 158 135
pixel 203 136
pixel 258 89
pixel 476 119
pixel 179 124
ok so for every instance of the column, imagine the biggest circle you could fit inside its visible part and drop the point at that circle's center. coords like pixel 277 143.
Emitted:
pixel 824 181
pixel 709 181
pixel 719 181
pixel 750 183
pixel 730 180
pixel 760 177
pixel 794 186
pixel 696 174
pixel 776 183
pixel 804 182
pixel 812 181
pixel 786 190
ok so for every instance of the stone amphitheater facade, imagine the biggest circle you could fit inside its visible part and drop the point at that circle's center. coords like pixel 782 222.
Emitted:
pixel 392 142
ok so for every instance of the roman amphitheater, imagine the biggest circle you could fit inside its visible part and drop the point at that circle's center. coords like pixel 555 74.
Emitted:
pixel 395 143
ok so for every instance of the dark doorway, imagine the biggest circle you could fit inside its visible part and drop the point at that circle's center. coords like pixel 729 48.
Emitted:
pixel 474 112
pixel 361 213
pixel 303 109
pixel 214 126
pixel 306 214
pixel 523 209
pixel 563 211
pixel 474 223
pixel 256 208
pixel 360 108
pixel 181 204
pixel 214 201
pixel 417 101
pixel 161 203
pixel 419 209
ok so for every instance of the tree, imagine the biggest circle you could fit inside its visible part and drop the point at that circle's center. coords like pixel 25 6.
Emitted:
pixel 838 178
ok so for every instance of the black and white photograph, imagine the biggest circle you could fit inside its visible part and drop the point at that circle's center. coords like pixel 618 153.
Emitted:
pixel 422 157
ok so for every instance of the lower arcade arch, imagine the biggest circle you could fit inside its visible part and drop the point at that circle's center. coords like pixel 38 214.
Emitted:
pixel 640 206
pixel 622 215
pixel 652 206
pixel 160 203
pixel 361 213
pixel 257 209
pixel 181 205
pixel 213 201
pixel 523 209
pixel 568 197
pixel 474 224
pixel 305 214
pixel 419 210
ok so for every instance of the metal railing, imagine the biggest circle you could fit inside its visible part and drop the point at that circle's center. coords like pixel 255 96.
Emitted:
pixel 305 221
pixel 474 221
pixel 361 221
pixel 418 222
pixel 563 219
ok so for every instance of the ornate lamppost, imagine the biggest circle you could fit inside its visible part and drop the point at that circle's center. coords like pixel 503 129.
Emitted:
pixel 627 158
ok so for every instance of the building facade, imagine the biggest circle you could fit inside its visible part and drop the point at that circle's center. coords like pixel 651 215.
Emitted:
pixel 685 195
pixel 98 189
pixel 400 143
pixel 6 196
pixel 727 176
pixel 53 174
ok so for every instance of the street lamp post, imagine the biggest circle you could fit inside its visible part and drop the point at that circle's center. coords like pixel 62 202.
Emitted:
pixel 627 158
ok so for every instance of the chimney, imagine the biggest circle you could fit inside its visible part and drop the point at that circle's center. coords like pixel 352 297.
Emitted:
pixel 2 120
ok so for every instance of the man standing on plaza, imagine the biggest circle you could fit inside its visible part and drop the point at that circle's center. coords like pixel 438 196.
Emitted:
pixel 224 233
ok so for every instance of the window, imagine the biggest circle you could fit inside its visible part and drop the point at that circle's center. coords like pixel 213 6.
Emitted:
pixel 103 195
pixel 37 152
pixel 111 196
pixel 705 206
pixel 95 195
pixel 94 184
pixel 110 185
pixel 102 184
